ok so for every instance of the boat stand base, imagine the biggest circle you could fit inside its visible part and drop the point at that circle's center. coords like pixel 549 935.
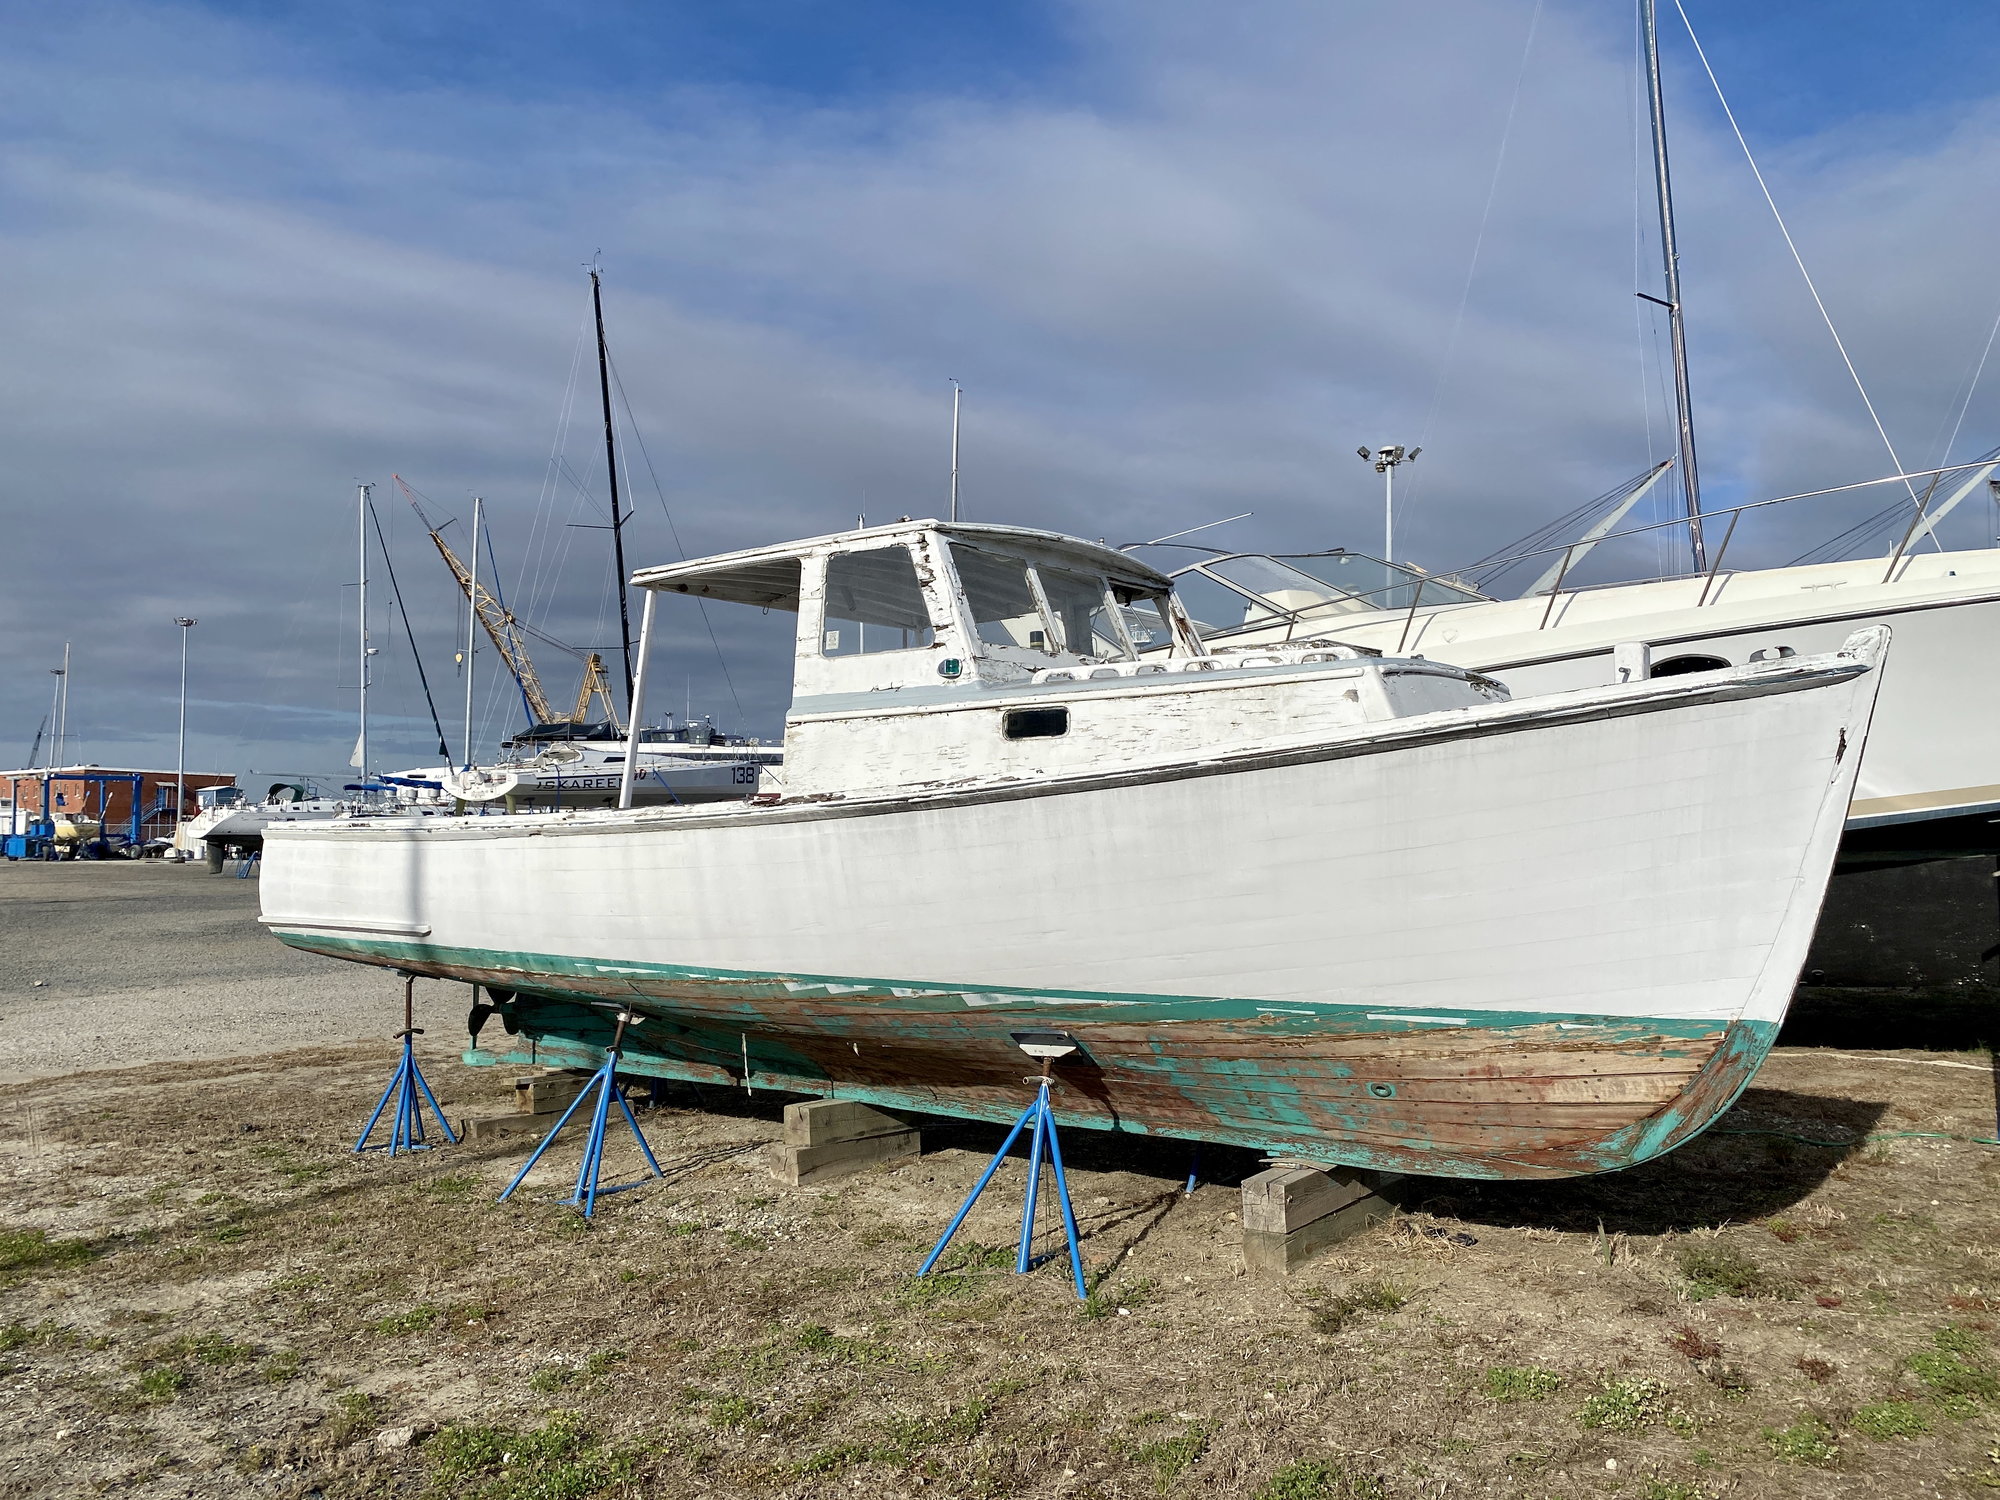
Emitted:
pixel 410 1092
pixel 830 1138
pixel 1292 1214
pixel 597 1096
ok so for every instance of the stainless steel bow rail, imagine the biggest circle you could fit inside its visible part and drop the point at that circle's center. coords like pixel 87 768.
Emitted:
pixel 1047 1046
pixel 407 1131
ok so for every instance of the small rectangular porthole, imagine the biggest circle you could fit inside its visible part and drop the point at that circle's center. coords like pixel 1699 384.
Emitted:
pixel 1036 723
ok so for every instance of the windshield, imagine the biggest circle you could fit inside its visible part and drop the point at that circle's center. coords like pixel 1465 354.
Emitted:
pixel 1251 589
pixel 1082 608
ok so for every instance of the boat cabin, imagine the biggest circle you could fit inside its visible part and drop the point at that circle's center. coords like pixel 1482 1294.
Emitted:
pixel 932 652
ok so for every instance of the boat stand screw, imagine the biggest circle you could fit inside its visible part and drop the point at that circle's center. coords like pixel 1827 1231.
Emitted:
pixel 601 1090
pixel 406 1133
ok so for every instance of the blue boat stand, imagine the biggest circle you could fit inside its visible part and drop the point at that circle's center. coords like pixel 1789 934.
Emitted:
pixel 601 1090
pixel 1042 1118
pixel 407 1132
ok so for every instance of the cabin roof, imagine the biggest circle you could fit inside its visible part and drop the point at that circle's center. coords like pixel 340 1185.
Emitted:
pixel 769 576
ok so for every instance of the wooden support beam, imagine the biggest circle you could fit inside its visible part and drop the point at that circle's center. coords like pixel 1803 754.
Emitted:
pixel 829 1138
pixel 1291 1214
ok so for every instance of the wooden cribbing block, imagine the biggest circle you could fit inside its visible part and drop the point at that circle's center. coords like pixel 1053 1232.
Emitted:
pixel 1291 1214
pixel 494 1127
pixel 827 1138
pixel 538 1093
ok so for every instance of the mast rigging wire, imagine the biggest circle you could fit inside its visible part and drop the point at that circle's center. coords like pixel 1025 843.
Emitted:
pixel 674 531
pixel 1791 245
pixel 409 635
pixel 1478 244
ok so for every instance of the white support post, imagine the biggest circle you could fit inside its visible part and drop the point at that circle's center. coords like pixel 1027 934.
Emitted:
pixel 637 707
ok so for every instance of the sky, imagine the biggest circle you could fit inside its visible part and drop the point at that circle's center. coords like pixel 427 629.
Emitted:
pixel 1183 257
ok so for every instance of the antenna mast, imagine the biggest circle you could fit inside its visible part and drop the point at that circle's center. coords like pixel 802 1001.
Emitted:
pixel 611 468
pixel 1670 257
pixel 956 392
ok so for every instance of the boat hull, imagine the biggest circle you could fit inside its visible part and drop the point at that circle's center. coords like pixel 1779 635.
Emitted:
pixel 1537 940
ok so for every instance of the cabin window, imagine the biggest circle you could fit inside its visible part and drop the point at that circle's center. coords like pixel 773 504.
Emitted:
pixel 1036 723
pixel 1146 624
pixel 873 603
pixel 1082 607
pixel 1005 611
pixel 1674 666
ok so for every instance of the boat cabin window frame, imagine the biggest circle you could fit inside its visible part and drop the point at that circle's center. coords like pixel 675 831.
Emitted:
pixel 982 588
pixel 833 624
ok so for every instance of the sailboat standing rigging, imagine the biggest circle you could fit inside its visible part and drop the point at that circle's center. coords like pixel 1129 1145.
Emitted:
pixel 618 517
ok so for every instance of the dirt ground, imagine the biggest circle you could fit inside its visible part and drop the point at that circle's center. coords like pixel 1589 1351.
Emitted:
pixel 204 1292
pixel 103 963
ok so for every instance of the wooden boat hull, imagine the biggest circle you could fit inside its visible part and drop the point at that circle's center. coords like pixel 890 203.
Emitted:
pixel 1541 939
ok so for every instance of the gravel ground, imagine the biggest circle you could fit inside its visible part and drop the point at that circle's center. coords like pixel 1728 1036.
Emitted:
pixel 116 963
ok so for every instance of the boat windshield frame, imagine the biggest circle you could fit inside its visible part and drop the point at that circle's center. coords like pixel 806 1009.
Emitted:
pixel 1405 590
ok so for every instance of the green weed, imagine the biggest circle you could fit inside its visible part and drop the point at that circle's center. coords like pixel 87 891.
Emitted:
pixel 1168 1457
pixel 732 1411
pixel 1949 1375
pixel 1892 1419
pixel 1625 1406
pixel 1714 1269
pixel 560 1460
pixel 1105 1304
pixel 967 1271
pixel 1521 1383
pixel 1954 1339
pixel 458 1185
pixel 817 1339
pixel 1334 1314
pixel 1319 1479
pixel 1807 1441
pixel 834 1460
pixel 354 1412
pixel 210 1349
pixel 157 1387
pixel 416 1320
pixel 33 1250
pixel 46 1334
pixel 556 1377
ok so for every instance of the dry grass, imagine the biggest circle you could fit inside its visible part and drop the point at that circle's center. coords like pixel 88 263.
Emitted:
pixel 202 1292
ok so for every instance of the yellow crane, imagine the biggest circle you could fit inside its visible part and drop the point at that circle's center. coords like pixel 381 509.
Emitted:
pixel 507 634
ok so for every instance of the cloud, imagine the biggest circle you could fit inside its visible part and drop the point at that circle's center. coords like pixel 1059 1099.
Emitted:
pixel 1182 275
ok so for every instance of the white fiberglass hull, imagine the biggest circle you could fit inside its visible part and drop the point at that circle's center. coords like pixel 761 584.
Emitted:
pixel 1934 752
pixel 1535 938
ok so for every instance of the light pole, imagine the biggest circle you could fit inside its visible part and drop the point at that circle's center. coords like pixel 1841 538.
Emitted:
pixel 1385 460
pixel 186 623
pixel 55 716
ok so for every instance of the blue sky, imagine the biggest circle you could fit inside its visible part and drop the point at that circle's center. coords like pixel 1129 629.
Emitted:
pixel 1184 257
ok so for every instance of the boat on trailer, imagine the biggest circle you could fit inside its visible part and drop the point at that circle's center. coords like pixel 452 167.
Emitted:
pixel 1328 904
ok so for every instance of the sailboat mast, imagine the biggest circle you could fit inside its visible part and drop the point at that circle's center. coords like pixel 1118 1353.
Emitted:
pixel 611 468
pixel 472 626
pixel 1671 259
pixel 361 615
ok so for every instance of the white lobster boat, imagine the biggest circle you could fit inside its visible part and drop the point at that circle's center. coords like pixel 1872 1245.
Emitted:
pixel 1344 907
